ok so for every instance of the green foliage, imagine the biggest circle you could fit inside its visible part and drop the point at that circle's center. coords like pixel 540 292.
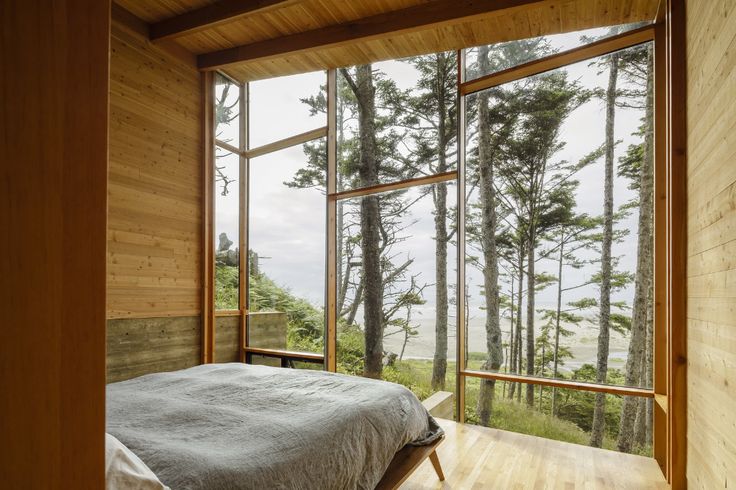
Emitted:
pixel 305 322
pixel 226 287
pixel 305 327
pixel 350 349
pixel 575 413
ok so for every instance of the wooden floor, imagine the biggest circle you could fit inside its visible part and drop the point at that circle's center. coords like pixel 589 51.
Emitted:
pixel 477 457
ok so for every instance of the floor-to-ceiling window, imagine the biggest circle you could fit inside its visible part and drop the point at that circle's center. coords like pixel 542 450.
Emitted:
pixel 477 224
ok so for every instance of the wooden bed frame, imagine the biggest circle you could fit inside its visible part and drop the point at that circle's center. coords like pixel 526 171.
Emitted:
pixel 406 461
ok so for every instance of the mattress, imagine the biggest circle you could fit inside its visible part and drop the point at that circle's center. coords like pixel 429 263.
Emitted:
pixel 239 426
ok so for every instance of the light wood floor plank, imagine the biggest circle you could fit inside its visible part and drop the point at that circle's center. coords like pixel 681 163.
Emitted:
pixel 475 457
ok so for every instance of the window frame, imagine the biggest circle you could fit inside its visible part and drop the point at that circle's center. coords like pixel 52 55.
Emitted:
pixel 663 433
pixel 246 154
pixel 669 333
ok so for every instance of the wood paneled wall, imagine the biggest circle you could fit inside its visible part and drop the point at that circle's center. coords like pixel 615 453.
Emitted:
pixel 711 284
pixel 154 234
pixel 227 340
pixel 155 191
pixel 138 346
pixel 53 172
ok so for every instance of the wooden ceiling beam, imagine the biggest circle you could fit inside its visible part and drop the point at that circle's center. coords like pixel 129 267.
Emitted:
pixel 211 16
pixel 378 26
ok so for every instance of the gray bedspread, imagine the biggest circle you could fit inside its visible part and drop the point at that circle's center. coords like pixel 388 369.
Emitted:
pixel 232 426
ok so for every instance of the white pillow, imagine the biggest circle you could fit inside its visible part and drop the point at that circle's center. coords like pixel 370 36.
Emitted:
pixel 125 471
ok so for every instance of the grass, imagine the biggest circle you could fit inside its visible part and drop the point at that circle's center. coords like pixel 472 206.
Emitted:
pixel 416 374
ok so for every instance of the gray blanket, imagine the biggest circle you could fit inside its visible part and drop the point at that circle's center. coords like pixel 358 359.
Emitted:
pixel 232 426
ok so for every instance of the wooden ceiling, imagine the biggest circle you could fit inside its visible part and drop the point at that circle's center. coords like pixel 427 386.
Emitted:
pixel 255 39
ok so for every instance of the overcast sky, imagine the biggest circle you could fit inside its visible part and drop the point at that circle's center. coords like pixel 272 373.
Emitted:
pixel 287 226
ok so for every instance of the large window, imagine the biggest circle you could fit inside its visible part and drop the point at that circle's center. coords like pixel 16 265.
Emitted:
pixel 396 125
pixel 227 180
pixel 286 239
pixel 559 237
pixel 285 106
pixel 511 54
pixel 269 186
pixel 399 324
pixel 396 107
pixel 477 226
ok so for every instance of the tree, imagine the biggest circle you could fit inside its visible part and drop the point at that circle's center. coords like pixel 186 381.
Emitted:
pixel 226 111
pixel 524 123
pixel 569 237
pixel 486 163
pixel 533 178
pixel 429 115
pixel 604 323
pixel 638 165
pixel 370 274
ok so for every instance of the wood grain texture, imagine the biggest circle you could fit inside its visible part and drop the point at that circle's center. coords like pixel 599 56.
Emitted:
pixel 53 149
pixel 208 16
pixel 547 17
pixel 711 243
pixel 406 461
pixel 478 457
pixel 227 341
pixel 557 60
pixel 138 346
pixel 382 26
pixel 155 182
pixel 208 217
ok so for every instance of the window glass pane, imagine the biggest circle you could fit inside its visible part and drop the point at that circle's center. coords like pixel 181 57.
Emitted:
pixel 559 413
pixel 396 294
pixel 513 53
pixel 409 112
pixel 227 230
pixel 552 290
pixel 227 111
pixel 287 249
pixel 285 106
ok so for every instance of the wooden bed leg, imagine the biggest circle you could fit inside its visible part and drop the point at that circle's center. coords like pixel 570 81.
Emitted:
pixel 436 464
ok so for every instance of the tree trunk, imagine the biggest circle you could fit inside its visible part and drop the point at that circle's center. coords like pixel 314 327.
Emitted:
pixel 370 223
pixel 555 360
pixel 530 285
pixel 342 293
pixel 509 361
pixel 640 426
pixel 599 413
pixel 649 359
pixel 439 364
pixel 636 360
pixel 519 322
pixel 490 255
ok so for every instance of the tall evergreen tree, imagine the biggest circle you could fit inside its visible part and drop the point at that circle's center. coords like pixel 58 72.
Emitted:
pixel 604 322
pixel 486 185
pixel 532 175
pixel 429 114
pixel 638 165
pixel 370 276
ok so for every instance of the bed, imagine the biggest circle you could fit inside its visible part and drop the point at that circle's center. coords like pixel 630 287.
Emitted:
pixel 219 426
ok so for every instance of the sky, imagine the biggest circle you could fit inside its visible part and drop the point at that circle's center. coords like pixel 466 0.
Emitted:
pixel 287 226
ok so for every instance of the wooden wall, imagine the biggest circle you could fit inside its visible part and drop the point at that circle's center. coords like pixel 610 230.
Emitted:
pixel 227 339
pixel 53 154
pixel 711 95
pixel 154 234
pixel 154 230
pixel 150 345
